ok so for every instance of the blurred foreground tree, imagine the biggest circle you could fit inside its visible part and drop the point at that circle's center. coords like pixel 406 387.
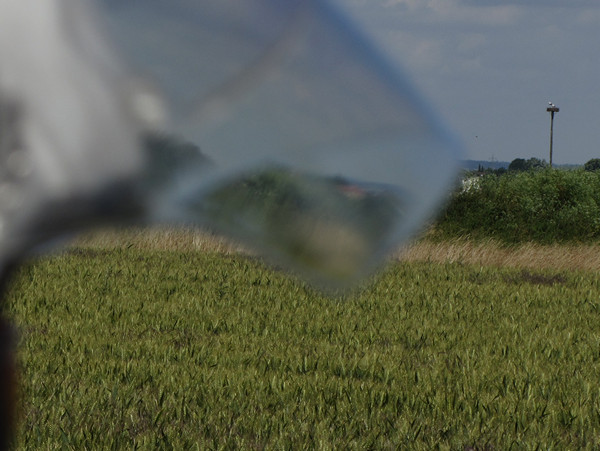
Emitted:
pixel 170 157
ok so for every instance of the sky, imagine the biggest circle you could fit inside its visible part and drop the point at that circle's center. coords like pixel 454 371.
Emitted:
pixel 488 68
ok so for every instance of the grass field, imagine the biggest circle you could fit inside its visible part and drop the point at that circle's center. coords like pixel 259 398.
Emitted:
pixel 179 341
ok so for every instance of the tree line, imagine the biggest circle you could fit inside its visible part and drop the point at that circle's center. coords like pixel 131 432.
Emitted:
pixel 530 164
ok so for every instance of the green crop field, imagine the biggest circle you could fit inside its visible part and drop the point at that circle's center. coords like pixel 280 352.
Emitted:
pixel 156 349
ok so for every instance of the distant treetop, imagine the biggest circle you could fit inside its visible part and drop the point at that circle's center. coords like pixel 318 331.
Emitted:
pixel 520 164
pixel 592 165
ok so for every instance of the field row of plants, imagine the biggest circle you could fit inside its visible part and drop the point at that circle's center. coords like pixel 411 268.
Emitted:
pixel 544 206
pixel 156 349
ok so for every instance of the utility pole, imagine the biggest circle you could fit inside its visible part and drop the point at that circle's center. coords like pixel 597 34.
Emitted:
pixel 551 109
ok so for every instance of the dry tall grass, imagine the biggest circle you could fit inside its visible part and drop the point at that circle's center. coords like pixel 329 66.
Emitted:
pixel 159 238
pixel 489 253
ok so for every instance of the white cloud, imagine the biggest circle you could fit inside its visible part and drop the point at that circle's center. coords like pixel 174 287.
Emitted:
pixel 465 55
pixel 471 42
pixel 409 4
pixel 589 16
pixel 456 11
pixel 567 4
pixel 427 53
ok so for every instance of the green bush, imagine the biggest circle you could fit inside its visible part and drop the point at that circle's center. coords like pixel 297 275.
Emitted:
pixel 544 206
